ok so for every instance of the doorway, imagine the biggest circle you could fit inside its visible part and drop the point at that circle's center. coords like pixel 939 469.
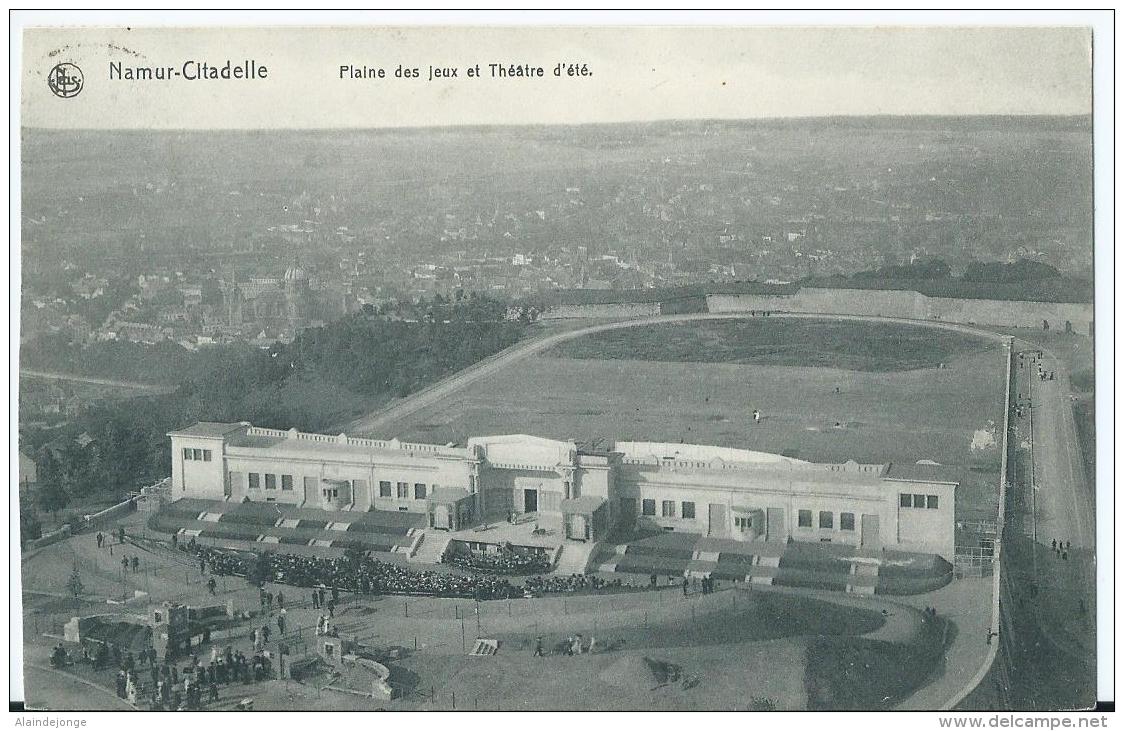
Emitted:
pixel 530 501
pixel 717 520
pixel 870 538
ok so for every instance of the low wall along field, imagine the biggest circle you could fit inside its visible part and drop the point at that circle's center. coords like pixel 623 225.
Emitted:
pixel 869 302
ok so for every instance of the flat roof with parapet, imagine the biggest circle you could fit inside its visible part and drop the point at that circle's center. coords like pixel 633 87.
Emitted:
pixel 212 429
pixel 922 472
pixel 297 443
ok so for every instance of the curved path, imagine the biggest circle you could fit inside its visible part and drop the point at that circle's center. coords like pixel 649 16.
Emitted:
pixel 432 394
pixel 131 385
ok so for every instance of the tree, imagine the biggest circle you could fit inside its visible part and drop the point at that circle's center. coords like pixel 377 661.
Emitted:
pixel 261 571
pixel 74 585
pixel 51 494
pixel 30 527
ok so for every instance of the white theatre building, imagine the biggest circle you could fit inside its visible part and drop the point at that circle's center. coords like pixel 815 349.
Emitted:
pixel 716 491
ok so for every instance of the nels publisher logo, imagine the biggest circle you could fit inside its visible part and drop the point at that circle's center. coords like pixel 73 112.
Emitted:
pixel 65 80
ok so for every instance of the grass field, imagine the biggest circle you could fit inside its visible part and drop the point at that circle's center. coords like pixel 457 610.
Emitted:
pixel 890 408
pixel 845 344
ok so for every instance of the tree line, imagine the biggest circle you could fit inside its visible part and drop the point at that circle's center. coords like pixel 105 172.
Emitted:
pixel 324 376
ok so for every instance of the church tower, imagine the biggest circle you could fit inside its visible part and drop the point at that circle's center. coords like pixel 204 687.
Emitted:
pixel 297 296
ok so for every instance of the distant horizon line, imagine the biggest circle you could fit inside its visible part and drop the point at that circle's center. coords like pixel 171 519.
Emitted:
pixel 1015 116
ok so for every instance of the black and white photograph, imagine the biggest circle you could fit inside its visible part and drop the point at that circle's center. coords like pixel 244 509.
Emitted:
pixel 667 364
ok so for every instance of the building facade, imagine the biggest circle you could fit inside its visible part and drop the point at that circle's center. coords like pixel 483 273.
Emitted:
pixel 716 491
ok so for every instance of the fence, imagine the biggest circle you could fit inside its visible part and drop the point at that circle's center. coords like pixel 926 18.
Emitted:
pixel 998 626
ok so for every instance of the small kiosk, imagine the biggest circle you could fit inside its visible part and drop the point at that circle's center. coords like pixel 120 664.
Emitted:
pixel 585 518
pixel 449 508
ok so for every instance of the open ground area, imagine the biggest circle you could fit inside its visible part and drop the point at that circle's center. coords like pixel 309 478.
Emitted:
pixel 926 400
pixel 737 648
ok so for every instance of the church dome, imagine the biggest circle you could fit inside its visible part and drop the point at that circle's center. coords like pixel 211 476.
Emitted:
pixel 295 273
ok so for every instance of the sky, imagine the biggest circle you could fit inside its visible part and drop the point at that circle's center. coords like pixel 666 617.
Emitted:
pixel 638 74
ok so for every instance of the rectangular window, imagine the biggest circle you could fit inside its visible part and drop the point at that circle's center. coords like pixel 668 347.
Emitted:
pixel 667 508
pixel 419 491
pixel 846 521
pixel 271 482
pixel 931 502
pixel 918 501
pixel 197 454
pixel 804 519
pixel 827 519
pixel 286 482
pixel 404 490
pixel 743 523
pixel 688 510
pixel 255 481
pixel 905 500
pixel 384 489
pixel 649 507
pixel 186 453
pixel 206 455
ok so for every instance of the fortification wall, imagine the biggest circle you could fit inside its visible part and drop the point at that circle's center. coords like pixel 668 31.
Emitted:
pixel 1012 313
pixel 750 302
pixel 872 302
pixel 914 306
pixel 590 311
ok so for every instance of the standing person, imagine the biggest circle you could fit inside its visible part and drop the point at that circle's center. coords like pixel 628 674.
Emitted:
pixel 281 622
pixel 315 599
pixel 280 600
pixel 538 648
pixel 125 563
pixel 136 564
pixel 101 539
pixel 320 591
pixel 211 585
pixel 175 541
pixel 202 566
pixel 686 584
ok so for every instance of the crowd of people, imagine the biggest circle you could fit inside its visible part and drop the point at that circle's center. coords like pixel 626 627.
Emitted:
pixel 359 575
pixel 363 574
pixel 143 679
pixel 569 584
pixel 505 561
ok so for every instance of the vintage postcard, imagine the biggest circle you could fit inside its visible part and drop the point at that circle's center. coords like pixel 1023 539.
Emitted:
pixel 558 367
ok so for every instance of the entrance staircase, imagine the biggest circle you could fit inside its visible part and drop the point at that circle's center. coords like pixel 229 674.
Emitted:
pixel 432 546
pixel 575 558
